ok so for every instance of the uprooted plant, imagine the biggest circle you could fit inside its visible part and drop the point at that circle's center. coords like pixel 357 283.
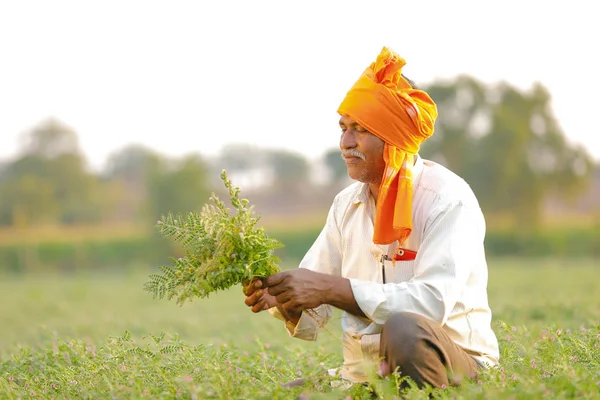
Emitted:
pixel 222 249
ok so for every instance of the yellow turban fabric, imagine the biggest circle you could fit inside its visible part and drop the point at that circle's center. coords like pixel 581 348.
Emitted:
pixel 385 104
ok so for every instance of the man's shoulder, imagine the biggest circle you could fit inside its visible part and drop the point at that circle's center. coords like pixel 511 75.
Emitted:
pixel 436 173
pixel 350 193
pixel 445 183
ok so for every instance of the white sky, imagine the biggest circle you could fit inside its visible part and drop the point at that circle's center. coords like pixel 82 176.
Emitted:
pixel 190 76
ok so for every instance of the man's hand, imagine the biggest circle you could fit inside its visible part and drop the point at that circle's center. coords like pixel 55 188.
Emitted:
pixel 299 289
pixel 258 299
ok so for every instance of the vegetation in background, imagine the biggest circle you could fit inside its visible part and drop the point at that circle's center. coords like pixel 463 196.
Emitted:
pixel 508 146
pixel 505 142
pixel 103 250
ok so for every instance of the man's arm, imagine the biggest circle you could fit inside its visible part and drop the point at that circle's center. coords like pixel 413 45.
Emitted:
pixel 304 289
pixel 343 298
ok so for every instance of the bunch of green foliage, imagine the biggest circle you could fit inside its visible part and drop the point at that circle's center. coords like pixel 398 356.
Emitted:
pixel 221 249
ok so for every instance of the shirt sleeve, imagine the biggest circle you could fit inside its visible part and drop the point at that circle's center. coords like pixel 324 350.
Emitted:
pixel 452 245
pixel 324 256
pixel 308 324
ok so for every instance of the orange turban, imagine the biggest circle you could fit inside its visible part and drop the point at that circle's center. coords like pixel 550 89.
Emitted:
pixel 385 104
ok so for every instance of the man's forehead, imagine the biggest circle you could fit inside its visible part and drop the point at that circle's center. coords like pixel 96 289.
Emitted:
pixel 347 121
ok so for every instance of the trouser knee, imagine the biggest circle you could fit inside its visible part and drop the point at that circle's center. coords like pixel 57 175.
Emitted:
pixel 403 332
pixel 421 350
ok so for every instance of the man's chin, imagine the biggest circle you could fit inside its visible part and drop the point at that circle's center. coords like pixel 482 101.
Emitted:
pixel 356 175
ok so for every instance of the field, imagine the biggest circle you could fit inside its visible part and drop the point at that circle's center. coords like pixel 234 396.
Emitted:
pixel 102 336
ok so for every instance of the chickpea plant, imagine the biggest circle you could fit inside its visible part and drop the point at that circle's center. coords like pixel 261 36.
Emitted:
pixel 222 249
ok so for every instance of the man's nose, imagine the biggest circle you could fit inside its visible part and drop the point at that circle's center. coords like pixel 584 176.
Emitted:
pixel 348 139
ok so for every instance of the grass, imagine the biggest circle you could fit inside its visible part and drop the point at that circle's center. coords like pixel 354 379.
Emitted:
pixel 101 336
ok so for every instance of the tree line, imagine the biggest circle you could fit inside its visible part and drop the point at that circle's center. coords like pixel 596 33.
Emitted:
pixel 503 141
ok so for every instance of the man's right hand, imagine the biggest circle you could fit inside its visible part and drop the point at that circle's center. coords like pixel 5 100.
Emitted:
pixel 257 298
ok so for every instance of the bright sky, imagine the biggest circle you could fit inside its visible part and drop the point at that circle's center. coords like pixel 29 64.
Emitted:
pixel 190 76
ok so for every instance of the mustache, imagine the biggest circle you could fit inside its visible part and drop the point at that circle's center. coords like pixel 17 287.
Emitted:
pixel 353 153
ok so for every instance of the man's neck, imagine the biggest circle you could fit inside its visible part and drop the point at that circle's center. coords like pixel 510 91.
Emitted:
pixel 374 189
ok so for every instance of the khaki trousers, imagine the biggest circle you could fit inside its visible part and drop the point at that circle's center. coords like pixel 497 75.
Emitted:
pixel 422 351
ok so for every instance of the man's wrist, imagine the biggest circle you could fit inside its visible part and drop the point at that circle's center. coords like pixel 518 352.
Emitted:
pixel 337 292
pixel 330 290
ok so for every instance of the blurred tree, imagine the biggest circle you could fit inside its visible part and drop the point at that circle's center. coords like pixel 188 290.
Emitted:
pixel 3 171
pixel 241 157
pixel 50 160
pixel 289 169
pixel 338 172
pixel 177 186
pixel 28 199
pixel 528 158
pixel 246 166
pixel 127 172
pixel 151 185
pixel 507 145
pixel 78 191
pixel 131 164
pixel 50 139
pixel 463 117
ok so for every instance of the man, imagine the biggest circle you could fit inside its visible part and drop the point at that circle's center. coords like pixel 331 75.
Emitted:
pixel 401 252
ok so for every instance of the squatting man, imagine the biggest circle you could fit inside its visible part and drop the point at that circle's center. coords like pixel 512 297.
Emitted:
pixel 401 252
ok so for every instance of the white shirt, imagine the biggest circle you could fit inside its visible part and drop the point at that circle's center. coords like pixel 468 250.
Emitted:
pixel 446 283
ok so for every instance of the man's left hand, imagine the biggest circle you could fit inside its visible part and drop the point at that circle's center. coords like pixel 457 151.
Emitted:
pixel 298 289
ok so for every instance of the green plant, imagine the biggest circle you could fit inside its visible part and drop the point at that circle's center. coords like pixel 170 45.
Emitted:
pixel 221 249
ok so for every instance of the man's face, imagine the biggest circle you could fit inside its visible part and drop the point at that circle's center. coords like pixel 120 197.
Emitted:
pixel 362 151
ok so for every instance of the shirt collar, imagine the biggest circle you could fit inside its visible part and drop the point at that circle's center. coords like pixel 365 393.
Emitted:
pixel 362 191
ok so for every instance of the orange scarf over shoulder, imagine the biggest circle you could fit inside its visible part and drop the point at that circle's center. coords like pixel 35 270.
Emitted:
pixel 385 104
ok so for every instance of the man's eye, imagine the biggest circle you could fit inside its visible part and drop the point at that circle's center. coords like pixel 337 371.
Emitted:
pixel 360 129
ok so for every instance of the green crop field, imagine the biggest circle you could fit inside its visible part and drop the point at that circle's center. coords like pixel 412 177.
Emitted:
pixel 103 337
